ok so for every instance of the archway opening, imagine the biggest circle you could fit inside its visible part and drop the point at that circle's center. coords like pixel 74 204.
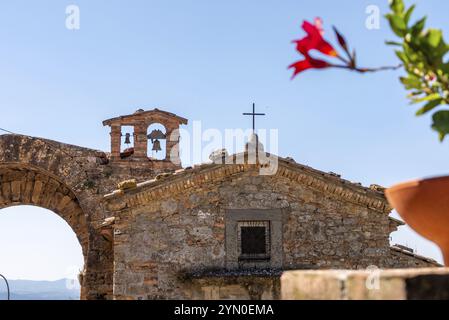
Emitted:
pixel 40 254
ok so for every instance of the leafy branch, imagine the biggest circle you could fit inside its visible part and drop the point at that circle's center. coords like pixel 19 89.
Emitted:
pixel 420 50
pixel 422 53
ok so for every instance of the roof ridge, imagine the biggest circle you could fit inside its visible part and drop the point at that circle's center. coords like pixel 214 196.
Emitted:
pixel 141 112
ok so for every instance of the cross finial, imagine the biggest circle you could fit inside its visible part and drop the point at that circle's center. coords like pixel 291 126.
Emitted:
pixel 254 114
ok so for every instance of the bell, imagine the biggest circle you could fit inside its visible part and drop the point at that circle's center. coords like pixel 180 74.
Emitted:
pixel 156 135
pixel 156 145
pixel 128 138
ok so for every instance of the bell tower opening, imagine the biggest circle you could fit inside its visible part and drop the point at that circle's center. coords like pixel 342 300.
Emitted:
pixel 127 141
pixel 157 142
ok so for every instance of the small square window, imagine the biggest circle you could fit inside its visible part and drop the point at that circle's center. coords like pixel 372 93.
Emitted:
pixel 254 240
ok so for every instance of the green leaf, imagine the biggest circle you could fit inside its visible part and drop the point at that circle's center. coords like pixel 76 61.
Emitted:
pixel 429 106
pixel 434 37
pixel 397 6
pixel 408 14
pixel 411 82
pixel 441 123
pixel 445 67
pixel 393 43
pixel 430 97
pixel 442 49
pixel 402 56
pixel 397 24
pixel 411 54
pixel 418 27
pixel 415 93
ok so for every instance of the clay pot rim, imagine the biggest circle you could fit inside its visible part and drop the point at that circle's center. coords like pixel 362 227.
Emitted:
pixel 417 182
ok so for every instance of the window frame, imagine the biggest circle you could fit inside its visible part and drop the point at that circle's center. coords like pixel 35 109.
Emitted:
pixel 274 258
pixel 254 256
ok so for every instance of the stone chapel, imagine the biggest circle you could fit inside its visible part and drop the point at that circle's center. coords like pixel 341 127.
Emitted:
pixel 153 229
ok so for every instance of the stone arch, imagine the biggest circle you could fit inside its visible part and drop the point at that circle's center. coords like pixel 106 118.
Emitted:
pixel 56 176
pixel 21 185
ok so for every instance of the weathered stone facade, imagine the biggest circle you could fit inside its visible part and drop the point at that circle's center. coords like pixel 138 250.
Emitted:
pixel 176 224
pixel 173 235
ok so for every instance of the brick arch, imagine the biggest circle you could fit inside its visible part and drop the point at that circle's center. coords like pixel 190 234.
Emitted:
pixel 55 176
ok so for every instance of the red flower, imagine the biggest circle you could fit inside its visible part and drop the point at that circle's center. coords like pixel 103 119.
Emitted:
pixel 308 63
pixel 314 39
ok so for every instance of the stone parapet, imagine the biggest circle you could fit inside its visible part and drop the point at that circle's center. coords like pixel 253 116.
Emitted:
pixel 399 284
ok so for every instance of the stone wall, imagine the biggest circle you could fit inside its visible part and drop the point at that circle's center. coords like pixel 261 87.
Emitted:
pixel 160 235
pixel 228 287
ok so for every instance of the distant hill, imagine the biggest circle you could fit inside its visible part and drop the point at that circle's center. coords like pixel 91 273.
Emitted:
pixel 41 290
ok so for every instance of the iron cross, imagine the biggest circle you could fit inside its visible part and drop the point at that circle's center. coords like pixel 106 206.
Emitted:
pixel 254 114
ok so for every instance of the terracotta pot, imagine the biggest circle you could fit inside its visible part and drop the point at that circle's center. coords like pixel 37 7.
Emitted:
pixel 424 206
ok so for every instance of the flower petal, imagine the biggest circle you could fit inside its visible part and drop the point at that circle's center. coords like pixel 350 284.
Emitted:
pixel 310 29
pixel 319 25
pixel 299 67
pixel 325 47
pixel 308 63
pixel 303 46
pixel 314 40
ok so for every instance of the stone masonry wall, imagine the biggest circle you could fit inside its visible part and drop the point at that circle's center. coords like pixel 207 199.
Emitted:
pixel 158 241
pixel 235 288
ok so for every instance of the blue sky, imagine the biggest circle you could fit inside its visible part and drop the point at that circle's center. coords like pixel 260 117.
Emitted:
pixel 208 61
